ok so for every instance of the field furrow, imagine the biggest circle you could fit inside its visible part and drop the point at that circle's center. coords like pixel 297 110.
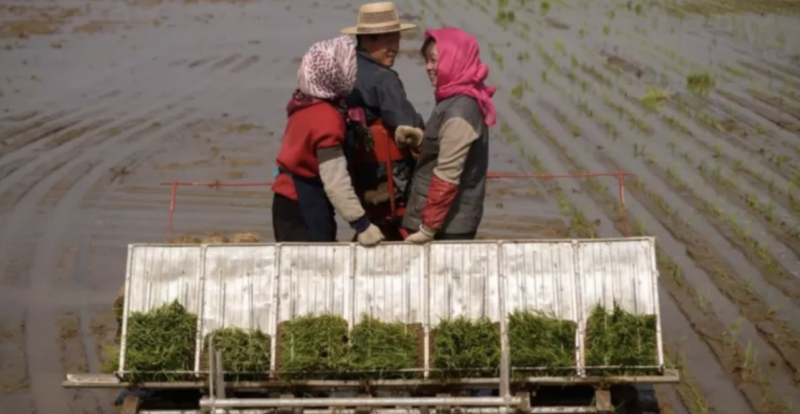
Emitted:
pixel 102 101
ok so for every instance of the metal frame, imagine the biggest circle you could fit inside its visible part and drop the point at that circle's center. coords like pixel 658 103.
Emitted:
pixel 277 310
pixel 215 385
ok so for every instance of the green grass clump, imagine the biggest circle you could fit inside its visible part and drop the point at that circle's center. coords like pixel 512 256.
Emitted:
pixel 537 340
pixel 160 342
pixel 313 347
pixel 700 83
pixel 619 338
pixel 380 350
pixel 466 348
pixel 245 353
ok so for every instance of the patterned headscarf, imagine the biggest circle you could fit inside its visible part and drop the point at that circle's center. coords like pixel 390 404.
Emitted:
pixel 328 69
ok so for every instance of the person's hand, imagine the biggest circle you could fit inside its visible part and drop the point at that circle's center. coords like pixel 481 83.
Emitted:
pixel 406 135
pixel 378 194
pixel 371 236
pixel 423 236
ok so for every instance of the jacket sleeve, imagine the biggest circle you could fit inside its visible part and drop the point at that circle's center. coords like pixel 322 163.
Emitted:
pixel 456 136
pixel 396 110
pixel 339 188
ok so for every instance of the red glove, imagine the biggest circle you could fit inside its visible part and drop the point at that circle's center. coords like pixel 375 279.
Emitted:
pixel 441 195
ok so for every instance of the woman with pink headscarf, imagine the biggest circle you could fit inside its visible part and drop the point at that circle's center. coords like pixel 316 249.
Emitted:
pixel 449 184
pixel 312 180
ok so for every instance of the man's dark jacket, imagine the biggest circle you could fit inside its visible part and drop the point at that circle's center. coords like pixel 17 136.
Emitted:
pixel 381 94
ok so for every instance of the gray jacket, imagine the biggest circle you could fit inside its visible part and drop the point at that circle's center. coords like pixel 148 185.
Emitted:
pixel 456 150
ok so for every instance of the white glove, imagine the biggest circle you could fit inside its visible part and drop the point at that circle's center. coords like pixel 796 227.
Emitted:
pixel 371 236
pixel 423 236
pixel 406 135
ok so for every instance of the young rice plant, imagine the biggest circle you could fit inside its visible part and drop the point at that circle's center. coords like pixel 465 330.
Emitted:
pixel 466 348
pixel 381 350
pixel 245 353
pixel 160 343
pixel 537 340
pixel 619 338
pixel 313 347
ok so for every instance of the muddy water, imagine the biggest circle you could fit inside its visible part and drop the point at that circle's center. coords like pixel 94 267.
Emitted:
pixel 96 113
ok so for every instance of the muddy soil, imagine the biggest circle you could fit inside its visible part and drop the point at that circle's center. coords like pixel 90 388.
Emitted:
pixel 101 101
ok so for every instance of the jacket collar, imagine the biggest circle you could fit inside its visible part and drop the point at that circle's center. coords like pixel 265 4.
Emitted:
pixel 364 55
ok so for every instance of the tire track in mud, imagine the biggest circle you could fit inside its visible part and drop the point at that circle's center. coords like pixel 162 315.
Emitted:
pixel 41 354
pixel 80 139
pixel 45 125
pixel 596 132
pixel 13 367
pixel 106 108
pixel 78 87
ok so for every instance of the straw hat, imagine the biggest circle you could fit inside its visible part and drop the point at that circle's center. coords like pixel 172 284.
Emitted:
pixel 378 18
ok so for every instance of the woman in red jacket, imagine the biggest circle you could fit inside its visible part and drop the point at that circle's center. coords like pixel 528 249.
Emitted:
pixel 312 180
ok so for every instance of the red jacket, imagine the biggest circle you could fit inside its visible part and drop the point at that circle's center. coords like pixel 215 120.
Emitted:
pixel 309 128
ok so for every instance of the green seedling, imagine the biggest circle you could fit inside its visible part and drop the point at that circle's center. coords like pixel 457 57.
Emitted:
pixel 245 353
pixel 700 83
pixel 620 338
pixel 518 92
pixel 537 340
pixel 383 350
pixel 160 344
pixel 313 347
pixel 466 348
pixel 544 7
pixel 653 97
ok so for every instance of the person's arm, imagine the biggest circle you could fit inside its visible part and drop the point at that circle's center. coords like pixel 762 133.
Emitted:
pixel 339 188
pixel 456 136
pixel 396 110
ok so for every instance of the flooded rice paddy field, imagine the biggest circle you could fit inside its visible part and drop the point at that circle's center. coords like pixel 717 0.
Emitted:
pixel 101 101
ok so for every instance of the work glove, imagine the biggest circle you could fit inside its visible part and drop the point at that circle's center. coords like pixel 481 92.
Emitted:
pixel 423 236
pixel 371 236
pixel 377 195
pixel 405 135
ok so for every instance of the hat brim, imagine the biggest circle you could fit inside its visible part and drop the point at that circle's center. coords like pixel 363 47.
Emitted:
pixel 353 30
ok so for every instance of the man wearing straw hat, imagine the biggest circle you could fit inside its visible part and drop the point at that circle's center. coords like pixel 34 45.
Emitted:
pixel 378 111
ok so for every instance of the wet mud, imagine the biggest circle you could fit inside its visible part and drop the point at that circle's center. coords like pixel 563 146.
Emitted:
pixel 102 101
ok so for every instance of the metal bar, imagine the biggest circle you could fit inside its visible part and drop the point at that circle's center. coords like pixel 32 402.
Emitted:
pixel 489 175
pixel 505 371
pixel 671 376
pixel 172 198
pixel 535 410
pixel 126 305
pixel 578 298
pixel 274 313
pixel 344 402
pixel 220 375
pixel 426 306
pixel 622 213
pixel 400 411
pixel 201 298
pixel 211 367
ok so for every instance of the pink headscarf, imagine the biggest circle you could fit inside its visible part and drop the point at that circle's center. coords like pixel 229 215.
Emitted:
pixel 327 72
pixel 460 70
